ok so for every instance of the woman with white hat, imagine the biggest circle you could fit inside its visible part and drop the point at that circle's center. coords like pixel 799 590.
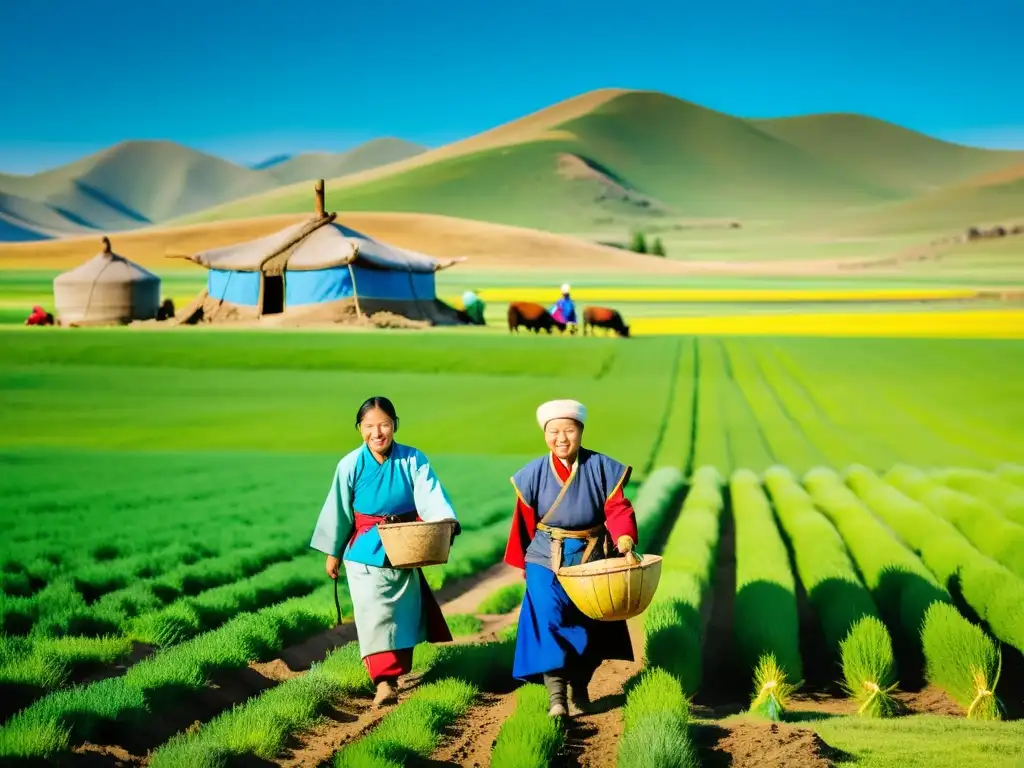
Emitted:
pixel 570 509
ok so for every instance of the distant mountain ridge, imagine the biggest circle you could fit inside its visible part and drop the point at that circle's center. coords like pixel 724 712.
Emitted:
pixel 620 159
pixel 607 158
pixel 138 183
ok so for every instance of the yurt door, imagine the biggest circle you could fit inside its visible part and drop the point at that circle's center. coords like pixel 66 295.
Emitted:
pixel 273 295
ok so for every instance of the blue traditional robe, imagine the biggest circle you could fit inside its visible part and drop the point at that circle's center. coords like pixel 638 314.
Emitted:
pixel 553 633
pixel 388 603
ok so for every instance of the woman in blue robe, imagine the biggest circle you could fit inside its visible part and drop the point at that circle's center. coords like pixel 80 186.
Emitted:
pixel 394 608
pixel 570 507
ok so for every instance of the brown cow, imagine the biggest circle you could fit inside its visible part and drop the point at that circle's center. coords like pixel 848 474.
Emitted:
pixel 603 317
pixel 531 316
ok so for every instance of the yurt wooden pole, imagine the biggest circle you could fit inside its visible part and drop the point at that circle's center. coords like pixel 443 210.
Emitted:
pixel 355 293
pixel 319 197
pixel 106 245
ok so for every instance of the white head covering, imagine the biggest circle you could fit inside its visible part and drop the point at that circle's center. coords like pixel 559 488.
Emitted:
pixel 561 409
pixel 565 287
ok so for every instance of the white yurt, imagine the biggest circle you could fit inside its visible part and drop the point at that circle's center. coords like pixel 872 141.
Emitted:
pixel 108 289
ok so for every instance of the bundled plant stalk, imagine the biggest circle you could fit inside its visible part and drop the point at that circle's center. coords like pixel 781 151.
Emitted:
pixel 869 668
pixel 964 662
pixel 773 691
pixel 850 623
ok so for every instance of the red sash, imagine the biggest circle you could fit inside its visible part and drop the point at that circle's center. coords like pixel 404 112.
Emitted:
pixel 363 523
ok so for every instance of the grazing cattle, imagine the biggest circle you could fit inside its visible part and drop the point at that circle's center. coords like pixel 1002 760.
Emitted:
pixel 531 316
pixel 603 317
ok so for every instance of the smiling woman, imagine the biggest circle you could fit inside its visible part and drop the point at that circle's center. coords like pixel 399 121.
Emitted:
pixel 383 480
pixel 570 506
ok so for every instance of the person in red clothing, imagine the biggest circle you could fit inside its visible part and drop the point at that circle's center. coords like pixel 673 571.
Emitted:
pixel 39 316
pixel 570 509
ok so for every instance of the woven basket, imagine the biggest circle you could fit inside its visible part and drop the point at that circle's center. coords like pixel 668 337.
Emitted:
pixel 414 545
pixel 613 589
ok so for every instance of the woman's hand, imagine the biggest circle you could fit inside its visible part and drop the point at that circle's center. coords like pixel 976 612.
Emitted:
pixel 333 566
pixel 624 544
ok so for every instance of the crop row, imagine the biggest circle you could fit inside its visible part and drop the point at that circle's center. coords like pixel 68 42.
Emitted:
pixel 994 534
pixel 959 657
pixel 656 715
pixel 185 667
pixel 46 660
pixel 852 629
pixel 999 489
pixel 57 722
pixel 990 589
pixel 767 631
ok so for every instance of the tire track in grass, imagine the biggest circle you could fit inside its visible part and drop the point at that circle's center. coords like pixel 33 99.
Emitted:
pixel 787 441
pixel 813 415
pixel 886 419
pixel 654 454
pixel 760 456
pixel 712 442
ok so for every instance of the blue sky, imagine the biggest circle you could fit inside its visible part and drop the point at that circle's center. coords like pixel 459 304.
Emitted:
pixel 251 79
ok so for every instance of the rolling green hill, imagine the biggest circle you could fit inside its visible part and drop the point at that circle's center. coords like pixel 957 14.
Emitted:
pixel 319 165
pixel 983 200
pixel 885 153
pixel 137 183
pixel 640 155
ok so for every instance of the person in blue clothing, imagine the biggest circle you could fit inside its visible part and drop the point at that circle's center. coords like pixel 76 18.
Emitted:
pixel 564 310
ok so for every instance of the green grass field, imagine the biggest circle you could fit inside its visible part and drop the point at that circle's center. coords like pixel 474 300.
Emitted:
pixel 160 491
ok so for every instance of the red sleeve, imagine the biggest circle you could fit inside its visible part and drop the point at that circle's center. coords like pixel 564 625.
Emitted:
pixel 524 526
pixel 619 513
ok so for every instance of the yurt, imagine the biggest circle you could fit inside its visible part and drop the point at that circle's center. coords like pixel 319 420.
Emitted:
pixel 317 271
pixel 108 289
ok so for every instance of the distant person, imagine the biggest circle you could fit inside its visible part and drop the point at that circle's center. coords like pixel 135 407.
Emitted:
pixel 166 310
pixel 39 316
pixel 564 310
pixel 394 608
pixel 570 509
pixel 473 307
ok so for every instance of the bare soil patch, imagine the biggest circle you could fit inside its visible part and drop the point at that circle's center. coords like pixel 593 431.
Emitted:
pixel 754 745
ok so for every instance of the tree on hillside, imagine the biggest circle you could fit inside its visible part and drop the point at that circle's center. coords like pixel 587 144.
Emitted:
pixel 657 249
pixel 639 243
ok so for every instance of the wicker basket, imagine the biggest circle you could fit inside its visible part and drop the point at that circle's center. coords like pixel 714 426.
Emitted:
pixel 613 589
pixel 414 545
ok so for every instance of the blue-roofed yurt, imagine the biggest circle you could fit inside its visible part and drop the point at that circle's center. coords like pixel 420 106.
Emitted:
pixel 318 271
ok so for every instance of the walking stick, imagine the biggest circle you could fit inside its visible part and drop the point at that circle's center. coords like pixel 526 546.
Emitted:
pixel 337 603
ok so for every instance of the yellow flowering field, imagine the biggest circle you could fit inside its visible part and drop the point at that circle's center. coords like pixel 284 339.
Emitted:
pixel 981 324
pixel 782 295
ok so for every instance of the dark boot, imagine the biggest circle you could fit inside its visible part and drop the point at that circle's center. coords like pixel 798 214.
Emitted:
pixel 579 695
pixel 555 684
pixel 581 673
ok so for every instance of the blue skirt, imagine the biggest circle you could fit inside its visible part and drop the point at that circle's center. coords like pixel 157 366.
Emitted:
pixel 554 633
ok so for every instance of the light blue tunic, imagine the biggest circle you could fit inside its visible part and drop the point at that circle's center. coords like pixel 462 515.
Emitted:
pixel 387 602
